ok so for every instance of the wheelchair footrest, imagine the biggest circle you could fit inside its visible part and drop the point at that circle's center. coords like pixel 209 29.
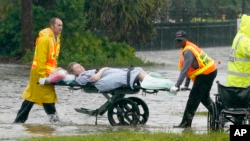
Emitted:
pixel 87 111
pixel 239 111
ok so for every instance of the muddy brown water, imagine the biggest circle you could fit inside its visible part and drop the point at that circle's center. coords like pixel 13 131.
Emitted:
pixel 165 110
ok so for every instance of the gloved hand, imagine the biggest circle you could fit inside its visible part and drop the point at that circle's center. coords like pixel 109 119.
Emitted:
pixel 41 81
pixel 174 89
pixel 185 88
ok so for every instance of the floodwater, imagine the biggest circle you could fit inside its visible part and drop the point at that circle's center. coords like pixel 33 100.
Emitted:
pixel 165 110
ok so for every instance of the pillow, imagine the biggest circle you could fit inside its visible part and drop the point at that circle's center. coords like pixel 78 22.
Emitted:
pixel 56 77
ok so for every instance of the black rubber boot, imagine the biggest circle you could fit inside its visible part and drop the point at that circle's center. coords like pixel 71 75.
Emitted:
pixel 186 122
pixel 187 118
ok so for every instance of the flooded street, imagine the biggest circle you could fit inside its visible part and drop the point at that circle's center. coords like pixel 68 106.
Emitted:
pixel 165 110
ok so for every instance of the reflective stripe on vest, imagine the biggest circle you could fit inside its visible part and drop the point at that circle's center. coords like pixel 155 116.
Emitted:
pixel 239 74
pixel 52 61
pixel 233 58
pixel 181 60
pixel 204 61
pixel 48 66
pixel 206 64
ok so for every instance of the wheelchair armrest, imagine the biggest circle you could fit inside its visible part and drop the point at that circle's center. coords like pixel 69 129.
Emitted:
pixel 216 94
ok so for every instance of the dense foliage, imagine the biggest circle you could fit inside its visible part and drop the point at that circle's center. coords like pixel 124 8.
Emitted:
pixel 125 22
pixel 131 21
pixel 77 44
pixel 10 29
pixel 90 50
pixel 203 10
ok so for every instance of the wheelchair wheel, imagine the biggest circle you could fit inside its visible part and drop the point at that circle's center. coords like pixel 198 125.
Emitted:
pixel 123 112
pixel 212 123
pixel 143 109
pixel 222 122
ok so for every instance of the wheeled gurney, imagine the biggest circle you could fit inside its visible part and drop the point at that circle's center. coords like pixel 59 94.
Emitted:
pixel 121 110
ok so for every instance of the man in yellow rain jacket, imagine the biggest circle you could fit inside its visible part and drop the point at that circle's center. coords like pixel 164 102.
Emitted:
pixel 238 74
pixel 196 65
pixel 45 60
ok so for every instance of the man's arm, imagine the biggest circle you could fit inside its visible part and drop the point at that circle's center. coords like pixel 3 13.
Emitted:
pixel 187 82
pixel 98 75
pixel 188 59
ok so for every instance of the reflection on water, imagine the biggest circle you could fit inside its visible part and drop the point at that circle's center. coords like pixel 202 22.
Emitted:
pixel 164 110
pixel 189 130
pixel 39 129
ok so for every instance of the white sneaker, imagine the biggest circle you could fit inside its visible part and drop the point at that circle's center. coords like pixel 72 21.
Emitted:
pixel 53 118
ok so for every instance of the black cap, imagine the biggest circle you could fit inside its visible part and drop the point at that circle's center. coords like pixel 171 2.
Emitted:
pixel 180 35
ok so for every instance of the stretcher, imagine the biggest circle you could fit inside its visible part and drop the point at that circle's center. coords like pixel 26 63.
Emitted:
pixel 121 110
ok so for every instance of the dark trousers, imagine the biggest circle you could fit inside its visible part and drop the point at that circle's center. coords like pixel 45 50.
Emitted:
pixel 200 93
pixel 23 113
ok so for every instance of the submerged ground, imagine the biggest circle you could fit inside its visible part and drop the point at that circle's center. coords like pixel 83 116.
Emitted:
pixel 165 110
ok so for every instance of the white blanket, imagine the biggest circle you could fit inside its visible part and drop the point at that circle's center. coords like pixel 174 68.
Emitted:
pixel 155 83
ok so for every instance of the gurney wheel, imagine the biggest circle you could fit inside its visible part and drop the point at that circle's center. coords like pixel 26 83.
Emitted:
pixel 143 109
pixel 123 112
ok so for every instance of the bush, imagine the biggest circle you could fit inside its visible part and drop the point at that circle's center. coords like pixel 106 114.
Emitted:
pixel 77 44
pixel 87 49
pixel 10 31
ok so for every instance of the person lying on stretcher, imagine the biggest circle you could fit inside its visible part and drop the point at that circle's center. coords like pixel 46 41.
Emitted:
pixel 106 78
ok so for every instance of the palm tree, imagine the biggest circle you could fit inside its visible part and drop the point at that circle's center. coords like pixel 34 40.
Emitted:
pixel 27 26
pixel 124 20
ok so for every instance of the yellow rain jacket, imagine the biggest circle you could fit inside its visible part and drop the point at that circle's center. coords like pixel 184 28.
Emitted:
pixel 239 60
pixel 45 60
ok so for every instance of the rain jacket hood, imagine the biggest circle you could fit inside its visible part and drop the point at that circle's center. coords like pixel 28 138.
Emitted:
pixel 245 25
pixel 47 32
pixel 238 73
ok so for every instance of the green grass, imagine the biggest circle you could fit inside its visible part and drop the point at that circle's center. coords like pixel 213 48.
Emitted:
pixel 200 113
pixel 127 135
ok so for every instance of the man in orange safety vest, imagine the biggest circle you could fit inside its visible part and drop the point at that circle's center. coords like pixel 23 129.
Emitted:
pixel 196 65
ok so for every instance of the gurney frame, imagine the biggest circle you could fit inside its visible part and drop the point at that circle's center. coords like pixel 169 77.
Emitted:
pixel 121 110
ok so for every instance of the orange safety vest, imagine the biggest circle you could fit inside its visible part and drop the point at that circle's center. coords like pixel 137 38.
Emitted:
pixel 51 63
pixel 206 64
pixel 181 60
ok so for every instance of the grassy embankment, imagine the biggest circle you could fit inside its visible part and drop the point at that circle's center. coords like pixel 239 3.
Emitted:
pixel 126 135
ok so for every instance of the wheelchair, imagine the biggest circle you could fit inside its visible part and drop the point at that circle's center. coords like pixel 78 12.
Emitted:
pixel 231 107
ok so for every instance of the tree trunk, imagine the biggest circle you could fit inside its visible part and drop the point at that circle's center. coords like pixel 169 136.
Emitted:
pixel 243 7
pixel 179 10
pixel 27 26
